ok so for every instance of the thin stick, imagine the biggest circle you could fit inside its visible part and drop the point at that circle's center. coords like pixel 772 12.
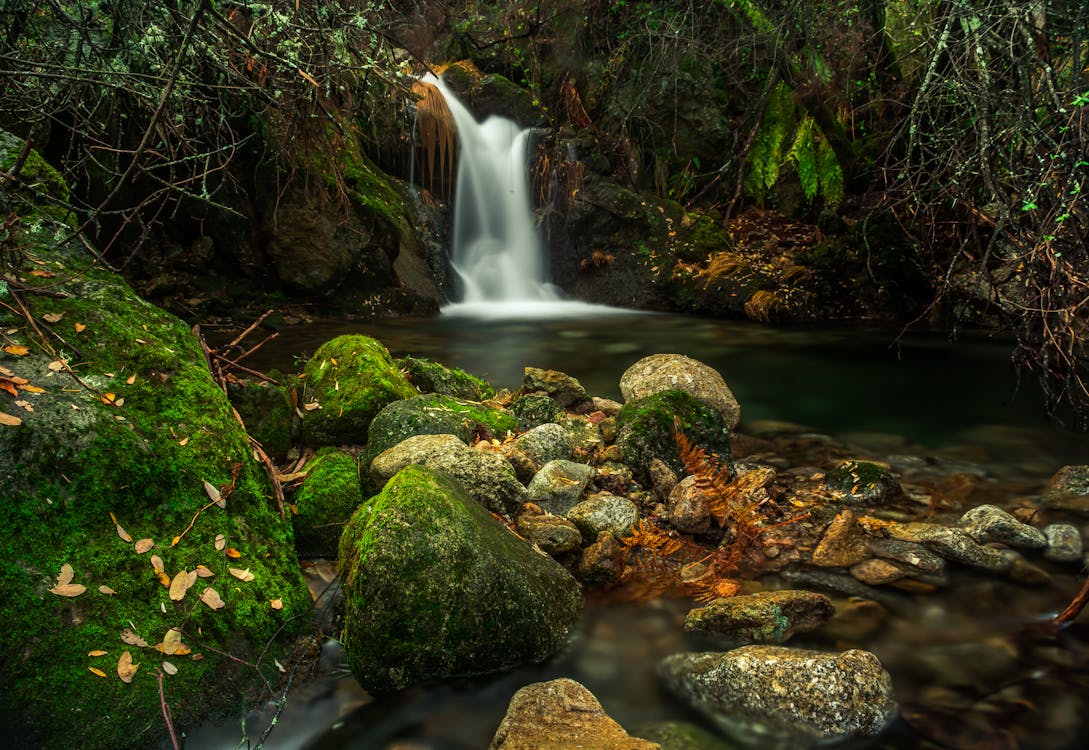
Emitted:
pixel 249 330
pixel 166 712
pixel 1074 608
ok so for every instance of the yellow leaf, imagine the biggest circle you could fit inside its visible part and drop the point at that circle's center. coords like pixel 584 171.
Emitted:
pixel 183 441
pixel 32 389
pixel 106 590
pixel 143 545
pixel 212 598
pixel 109 398
pixel 113 518
pixel 97 671
pixel 17 350
pixel 174 541
pixel 131 379
pixel 80 328
pixel 308 78
pixel 276 603
pixel 242 575
pixel 123 534
pixel 43 275
pixel 9 420
pixel 125 668
pixel 171 641
pixel 164 578
pixel 96 652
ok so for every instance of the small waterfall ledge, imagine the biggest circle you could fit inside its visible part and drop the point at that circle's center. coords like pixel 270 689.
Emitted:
pixel 496 248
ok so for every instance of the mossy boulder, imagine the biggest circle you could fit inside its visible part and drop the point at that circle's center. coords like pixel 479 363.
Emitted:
pixel 433 377
pixel 645 430
pixel 326 500
pixel 348 381
pixel 266 409
pixel 435 414
pixel 535 409
pixel 862 482
pixel 436 588
pixel 126 421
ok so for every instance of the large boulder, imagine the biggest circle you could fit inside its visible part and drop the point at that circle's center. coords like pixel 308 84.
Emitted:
pixel 645 430
pixel 488 478
pixel 347 382
pixel 561 715
pixel 117 416
pixel 778 696
pixel 322 506
pixel 663 372
pixel 434 377
pixel 436 588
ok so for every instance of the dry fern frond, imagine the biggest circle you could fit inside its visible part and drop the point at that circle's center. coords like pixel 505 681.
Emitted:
pixel 763 306
pixel 726 264
pixel 715 588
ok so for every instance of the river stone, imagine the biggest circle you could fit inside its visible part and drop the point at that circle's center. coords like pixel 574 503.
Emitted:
pixel 663 372
pixel 488 478
pixel 955 545
pixel 585 436
pixel 687 508
pixel 989 523
pixel 1072 479
pixel 535 409
pixel 435 414
pixel 561 715
pixel 911 553
pixel 862 483
pixel 544 443
pixel 435 588
pixel 662 478
pixel 326 500
pixel 559 484
pixel 606 406
pixel 876 572
pixel 764 617
pixel 775 694
pixel 1063 542
pixel 842 544
pixel 553 534
pixel 602 513
pixel 349 379
pixel 603 561
pixel 561 387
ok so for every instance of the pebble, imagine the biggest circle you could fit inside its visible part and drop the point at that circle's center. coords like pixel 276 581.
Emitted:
pixel 989 523
pixel 876 572
pixel 1063 542
pixel 842 544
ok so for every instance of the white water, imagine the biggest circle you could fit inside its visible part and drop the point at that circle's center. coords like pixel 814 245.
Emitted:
pixel 496 248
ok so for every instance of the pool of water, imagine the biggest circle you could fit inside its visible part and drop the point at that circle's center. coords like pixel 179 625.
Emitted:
pixel 970 670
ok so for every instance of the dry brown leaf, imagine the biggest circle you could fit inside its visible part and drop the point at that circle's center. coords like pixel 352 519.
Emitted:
pixel 96 652
pixel 66 574
pixel 312 406
pixel 97 671
pixel 123 534
pixel 129 637
pixel 212 598
pixel 169 668
pixel 125 668
pixel 56 365
pixel 242 575
pixel 157 563
pixel 52 317
pixel 42 274
pixel 221 541
pixel 276 603
pixel 31 389
pixel 232 553
pixel 179 585
pixel 17 350
pixel 9 387
pixel 164 578
pixel 9 420
pixel 68 589
pixel 143 545
pixel 172 641
pixel 214 494
pixel 106 590
pixel 80 328
pixel 131 379
pixel 203 571
pixel 25 405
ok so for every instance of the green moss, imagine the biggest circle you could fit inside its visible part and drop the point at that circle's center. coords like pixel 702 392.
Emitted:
pixel 266 409
pixel 433 377
pixel 862 482
pixel 38 176
pixel 325 502
pixel 435 414
pixel 352 378
pixel 645 430
pixel 535 409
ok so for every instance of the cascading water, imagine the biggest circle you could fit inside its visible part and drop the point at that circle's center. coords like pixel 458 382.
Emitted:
pixel 496 248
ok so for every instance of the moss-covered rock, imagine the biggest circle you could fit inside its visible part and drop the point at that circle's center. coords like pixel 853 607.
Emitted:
pixel 535 409
pixel 561 387
pixel 350 379
pixel 126 421
pixel 436 588
pixel 645 430
pixel 435 414
pixel 326 500
pixel 862 483
pixel 433 377
pixel 266 409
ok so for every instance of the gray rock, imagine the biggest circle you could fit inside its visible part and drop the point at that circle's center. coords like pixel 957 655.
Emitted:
pixel 687 509
pixel 561 387
pixel 663 372
pixel 775 695
pixel 486 476
pixel 910 553
pixel 875 572
pixel 599 513
pixel 662 478
pixel 559 485
pixel 1063 542
pixel 544 443
pixel 680 735
pixel 606 406
pixel 989 523
pixel 553 534
pixel 955 545
pixel 1072 479
pixel 764 617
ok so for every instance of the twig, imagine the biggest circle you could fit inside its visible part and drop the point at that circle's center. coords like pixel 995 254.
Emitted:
pixel 248 331
pixel 166 712
pixel 1074 608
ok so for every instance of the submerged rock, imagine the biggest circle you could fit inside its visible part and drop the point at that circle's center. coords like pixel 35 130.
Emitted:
pixel 842 544
pixel 561 715
pixel 680 735
pixel 663 372
pixel 989 523
pixel 784 697
pixel 435 588
pixel 764 617
pixel 1064 542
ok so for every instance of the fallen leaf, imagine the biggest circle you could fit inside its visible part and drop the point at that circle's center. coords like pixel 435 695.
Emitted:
pixel 221 541
pixel 17 350
pixel 169 668
pixel 197 657
pixel 25 405
pixel 203 571
pixel 312 406
pixel 179 585
pixel 52 317
pixel 183 441
pixel 68 589
pixel 97 671
pixel 31 389
pixel 164 579
pixel 174 541
pixel 212 598
pixel 276 603
pixel 80 328
pixel 96 652
pixel 56 365
pixel 172 641
pixel 106 590
pixel 232 553
pixel 109 398
pixel 129 637
pixel 123 534
pixel 279 666
pixel 131 379
pixel 42 274
pixel 119 402
pixel 9 387
pixel 66 574
pixel 214 494
pixel 143 545
pixel 157 563
pixel 9 420
pixel 242 575
pixel 125 668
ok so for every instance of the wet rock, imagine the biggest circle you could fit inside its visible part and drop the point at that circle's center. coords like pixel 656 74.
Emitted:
pixel 603 513
pixel 855 620
pixel 1025 572
pixel 433 377
pixel 989 523
pixel 561 715
pixel 1063 542
pixel 325 502
pixel 842 544
pixel 615 478
pixel 585 436
pixel 553 534
pixel 488 478
pixel 910 553
pixel 979 665
pixel 435 587
pixel 559 484
pixel 1071 479
pixel 790 697
pixel 876 572
pixel 603 561
pixel 646 430
pixel 838 583
pixel 663 372
pixel 764 617
pixel 606 406
pixel 535 409
pixel 561 387
pixel 862 483
pixel 954 545
pixel 662 478
pixel 687 508
pixel 680 735
pixel 544 443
